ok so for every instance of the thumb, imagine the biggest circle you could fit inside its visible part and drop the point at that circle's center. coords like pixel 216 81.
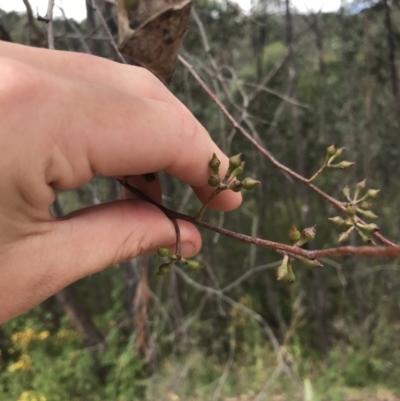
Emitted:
pixel 83 243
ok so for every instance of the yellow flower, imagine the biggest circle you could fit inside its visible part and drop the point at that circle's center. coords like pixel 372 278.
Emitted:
pixel 31 396
pixel 24 363
pixel 43 335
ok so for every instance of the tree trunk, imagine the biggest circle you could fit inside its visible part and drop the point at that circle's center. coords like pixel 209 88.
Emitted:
pixel 391 57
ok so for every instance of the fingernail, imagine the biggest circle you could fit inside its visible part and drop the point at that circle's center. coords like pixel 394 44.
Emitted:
pixel 188 249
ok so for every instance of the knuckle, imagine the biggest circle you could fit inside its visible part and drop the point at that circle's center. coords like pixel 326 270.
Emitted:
pixel 19 83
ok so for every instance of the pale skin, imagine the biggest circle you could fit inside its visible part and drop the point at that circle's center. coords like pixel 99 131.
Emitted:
pixel 64 117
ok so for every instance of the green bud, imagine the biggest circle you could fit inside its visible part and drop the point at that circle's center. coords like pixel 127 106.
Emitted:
pixel 249 183
pixel 331 150
pixel 336 155
pixel 311 264
pixel 344 237
pixel 337 221
pixel 346 192
pixel 164 269
pixel 365 205
pixel 214 181
pixel 351 210
pixel 372 193
pixel 343 165
pixel 365 238
pixel 282 270
pixel 359 187
pixel 307 235
pixel 235 186
pixel 163 252
pixel 290 277
pixel 237 171
pixel 294 234
pixel 214 164
pixel 368 214
pixel 194 264
pixel 371 228
pixel 234 163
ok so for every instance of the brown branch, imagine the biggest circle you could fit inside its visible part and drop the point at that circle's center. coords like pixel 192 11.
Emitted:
pixel 267 154
pixel 367 251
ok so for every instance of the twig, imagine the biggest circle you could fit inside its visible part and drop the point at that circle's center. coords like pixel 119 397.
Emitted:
pixel 267 154
pixel 366 251
pixel 105 26
pixel 49 20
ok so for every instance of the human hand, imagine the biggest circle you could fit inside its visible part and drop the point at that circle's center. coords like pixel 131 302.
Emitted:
pixel 65 117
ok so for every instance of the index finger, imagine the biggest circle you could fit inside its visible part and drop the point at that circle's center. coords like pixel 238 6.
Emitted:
pixel 119 134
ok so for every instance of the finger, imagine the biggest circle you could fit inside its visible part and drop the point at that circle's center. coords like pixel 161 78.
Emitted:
pixel 121 134
pixel 91 69
pixel 82 244
pixel 152 189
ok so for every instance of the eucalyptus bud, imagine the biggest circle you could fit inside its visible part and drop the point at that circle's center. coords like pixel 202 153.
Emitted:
pixel 214 181
pixel 234 163
pixel 359 187
pixel 307 235
pixel 311 264
pixel 351 210
pixel 163 252
pixel 365 205
pixel 249 183
pixel 371 228
pixel 335 156
pixel 368 214
pixel 294 234
pixel 282 270
pixel 214 164
pixel 194 264
pixel 372 193
pixel 290 278
pixel 344 237
pixel 165 268
pixel 346 192
pixel 337 221
pixel 366 239
pixel 331 150
pixel 237 171
pixel 343 165
pixel 235 186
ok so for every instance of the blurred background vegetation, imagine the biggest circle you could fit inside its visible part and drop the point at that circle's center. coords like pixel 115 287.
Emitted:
pixel 298 83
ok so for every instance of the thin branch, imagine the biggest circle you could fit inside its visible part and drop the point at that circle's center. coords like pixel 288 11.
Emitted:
pixel 49 18
pixel 267 154
pixel 106 28
pixel 293 251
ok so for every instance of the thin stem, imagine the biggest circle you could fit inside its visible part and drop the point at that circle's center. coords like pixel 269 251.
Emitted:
pixel 366 251
pixel 207 202
pixel 322 168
